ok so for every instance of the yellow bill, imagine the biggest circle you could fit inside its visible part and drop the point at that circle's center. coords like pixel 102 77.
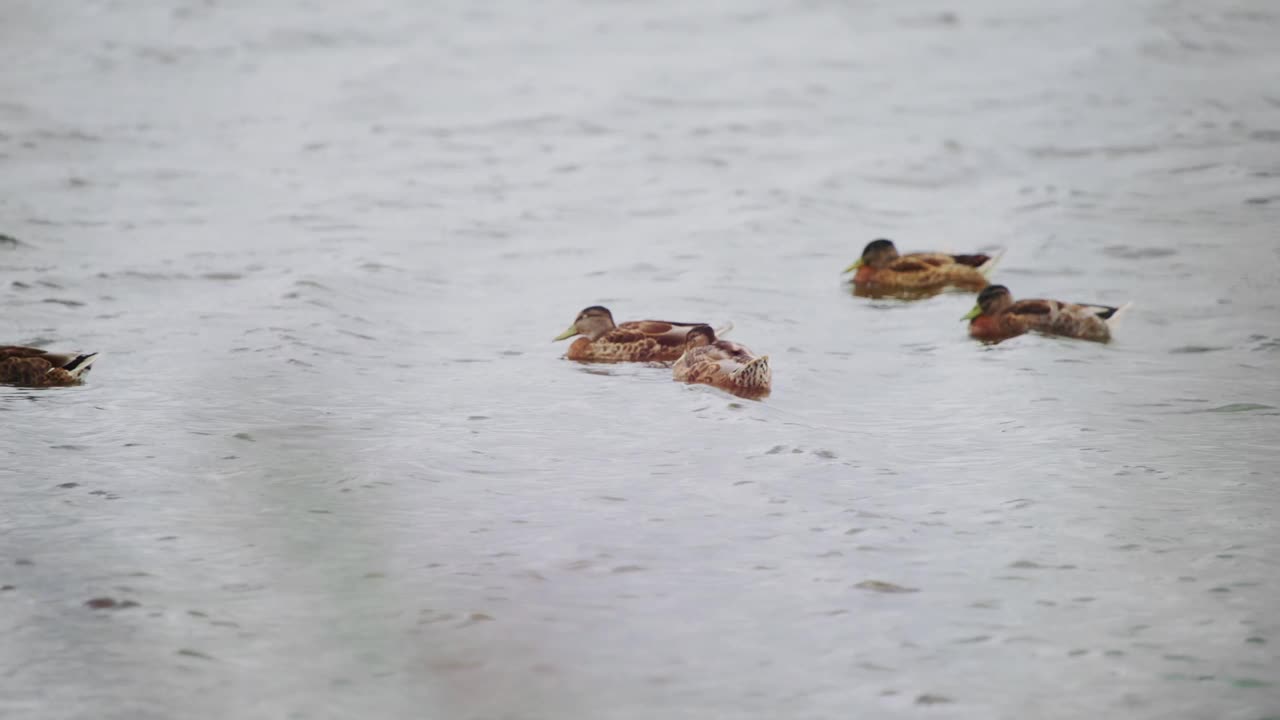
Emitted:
pixel 573 330
pixel 975 312
pixel 856 264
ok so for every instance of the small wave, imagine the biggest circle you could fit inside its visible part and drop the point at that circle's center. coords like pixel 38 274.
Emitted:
pixel 1082 152
pixel 1126 252
pixel 1236 408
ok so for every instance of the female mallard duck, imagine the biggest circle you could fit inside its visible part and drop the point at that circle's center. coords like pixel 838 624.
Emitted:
pixel 635 341
pixel 997 317
pixel 882 271
pixel 33 367
pixel 722 364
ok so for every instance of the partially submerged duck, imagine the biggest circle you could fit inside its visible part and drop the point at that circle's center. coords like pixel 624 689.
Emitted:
pixel 634 341
pixel 722 364
pixel 882 271
pixel 997 317
pixel 33 367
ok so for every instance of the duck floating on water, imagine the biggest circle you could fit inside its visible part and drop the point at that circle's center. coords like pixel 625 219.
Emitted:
pixel 882 272
pixel 33 367
pixel 722 364
pixel 633 341
pixel 997 317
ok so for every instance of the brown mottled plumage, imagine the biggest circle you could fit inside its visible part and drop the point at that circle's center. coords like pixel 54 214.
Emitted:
pixel 722 364
pixel 881 271
pixel 635 341
pixel 33 367
pixel 997 317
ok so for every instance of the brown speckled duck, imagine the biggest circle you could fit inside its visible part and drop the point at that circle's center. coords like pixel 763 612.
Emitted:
pixel 634 341
pixel 722 364
pixel 882 271
pixel 997 317
pixel 33 367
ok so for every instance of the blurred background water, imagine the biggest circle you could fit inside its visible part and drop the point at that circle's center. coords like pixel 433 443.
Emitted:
pixel 332 456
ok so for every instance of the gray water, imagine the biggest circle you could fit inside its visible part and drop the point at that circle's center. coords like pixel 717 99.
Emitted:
pixel 333 457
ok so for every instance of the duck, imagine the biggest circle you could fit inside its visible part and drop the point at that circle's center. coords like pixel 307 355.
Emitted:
pixel 633 341
pixel 882 271
pixel 722 364
pixel 34 367
pixel 997 317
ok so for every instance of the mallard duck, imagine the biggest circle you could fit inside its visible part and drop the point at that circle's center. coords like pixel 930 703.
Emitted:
pixel 882 271
pixel 997 317
pixel 33 367
pixel 722 364
pixel 634 341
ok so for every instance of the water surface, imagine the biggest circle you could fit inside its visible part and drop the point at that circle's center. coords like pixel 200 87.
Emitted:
pixel 332 455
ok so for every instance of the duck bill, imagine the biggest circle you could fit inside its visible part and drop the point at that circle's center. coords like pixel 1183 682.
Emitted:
pixel 573 330
pixel 975 312
pixel 856 264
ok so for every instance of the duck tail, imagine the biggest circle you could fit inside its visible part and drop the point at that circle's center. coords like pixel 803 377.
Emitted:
pixel 1113 315
pixel 79 367
pixel 989 266
pixel 755 375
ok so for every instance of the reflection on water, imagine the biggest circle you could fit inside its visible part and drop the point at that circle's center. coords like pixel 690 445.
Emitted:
pixel 330 465
pixel 875 292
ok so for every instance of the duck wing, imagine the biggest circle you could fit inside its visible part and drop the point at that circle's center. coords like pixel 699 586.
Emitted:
pixel 66 361
pixel 664 332
pixel 700 364
pixel 1032 314
pixel 1106 312
pixel 910 265
pixel 976 260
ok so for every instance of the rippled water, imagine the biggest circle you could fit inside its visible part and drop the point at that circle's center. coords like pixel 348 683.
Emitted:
pixel 332 456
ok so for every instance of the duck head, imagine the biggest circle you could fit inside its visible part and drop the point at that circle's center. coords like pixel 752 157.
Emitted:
pixel 877 254
pixel 699 336
pixel 991 300
pixel 592 322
